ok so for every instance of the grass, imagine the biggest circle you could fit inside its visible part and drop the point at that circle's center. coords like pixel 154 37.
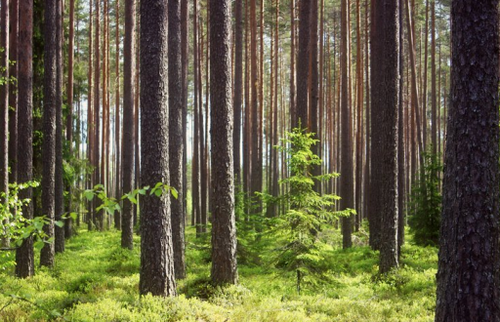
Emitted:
pixel 96 280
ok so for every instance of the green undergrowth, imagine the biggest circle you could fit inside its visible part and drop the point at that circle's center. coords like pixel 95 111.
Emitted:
pixel 96 280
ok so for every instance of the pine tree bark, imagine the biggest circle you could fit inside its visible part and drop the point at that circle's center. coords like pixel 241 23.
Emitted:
pixel 13 98
pixel 128 124
pixel 4 108
pixel 175 134
pixel 468 275
pixel 238 88
pixel 346 161
pixel 157 264
pixel 223 221
pixel 303 64
pixel 384 119
pixel 59 185
pixel 49 129
pixel 25 261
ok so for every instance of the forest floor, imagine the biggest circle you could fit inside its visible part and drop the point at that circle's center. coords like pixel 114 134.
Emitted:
pixel 96 280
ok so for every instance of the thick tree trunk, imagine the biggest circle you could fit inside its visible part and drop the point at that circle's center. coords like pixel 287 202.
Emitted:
pixel 384 117
pixel 223 222
pixel 468 278
pixel 157 264
pixel 175 134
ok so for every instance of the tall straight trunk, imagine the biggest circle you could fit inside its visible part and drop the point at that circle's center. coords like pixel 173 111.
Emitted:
pixel 49 129
pixel 90 118
pixel 137 149
pixel 468 275
pixel 346 165
pixel 313 117
pixel 195 184
pixel 68 223
pixel 185 88
pixel 433 80
pixel 128 124
pixel 224 228
pixel 303 64
pixel 367 169
pixel 13 98
pixel 238 89
pixel 97 111
pixel 25 261
pixel 384 117
pixel 274 140
pixel 359 116
pixel 4 109
pixel 292 64
pixel 59 184
pixel 256 148
pixel 424 80
pixel 401 146
pixel 175 134
pixel 157 264
pixel 118 174
pixel 247 140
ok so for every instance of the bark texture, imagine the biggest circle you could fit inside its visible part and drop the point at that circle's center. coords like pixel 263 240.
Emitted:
pixel 384 119
pixel 157 265
pixel 175 134
pixel 49 130
pixel 223 221
pixel 469 258
pixel 128 124
pixel 25 262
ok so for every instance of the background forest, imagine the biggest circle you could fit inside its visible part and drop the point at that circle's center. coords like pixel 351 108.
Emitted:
pixel 244 160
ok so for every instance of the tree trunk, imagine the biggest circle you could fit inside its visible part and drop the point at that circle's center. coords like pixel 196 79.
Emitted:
pixel 303 64
pixel 175 134
pixel 25 262
pixel 128 124
pixel 238 89
pixel 384 116
pixel 49 129
pixel 157 264
pixel 468 277
pixel 223 222
pixel 346 165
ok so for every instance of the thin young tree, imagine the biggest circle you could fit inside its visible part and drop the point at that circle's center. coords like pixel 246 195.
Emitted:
pixel 49 129
pixel 468 278
pixel 223 222
pixel 25 261
pixel 4 106
pixel 175 134
pixel 157 264
pixel 128 125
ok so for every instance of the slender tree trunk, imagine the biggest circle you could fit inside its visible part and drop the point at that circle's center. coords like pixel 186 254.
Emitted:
pixel 185 88
pixel 4 110
pixel 90 119
pixel 59 184
pixel 175 134
pixel 157 264
pixel 128 124
pixel 97 112
pixel 13 98
pixel 49 129
pixel 238 89
pixel 68 223
pixel 25 262
pixel 346 165
pixel 118 174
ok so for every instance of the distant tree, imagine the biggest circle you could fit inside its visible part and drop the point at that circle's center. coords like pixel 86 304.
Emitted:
pixel 468 278
pixel 224 269
pixel 157 255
